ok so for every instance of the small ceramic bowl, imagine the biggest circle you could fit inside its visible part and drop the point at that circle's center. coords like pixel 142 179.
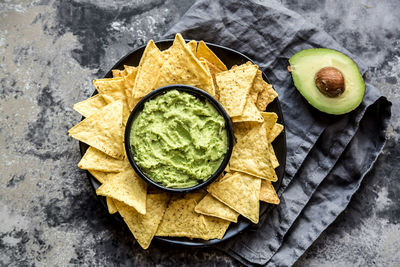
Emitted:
pixel 199 94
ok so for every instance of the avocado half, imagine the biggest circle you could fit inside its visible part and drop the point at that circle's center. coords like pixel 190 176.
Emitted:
pixel 329 80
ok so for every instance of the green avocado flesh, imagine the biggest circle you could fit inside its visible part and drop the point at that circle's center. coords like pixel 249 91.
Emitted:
pixel 306 63
pixel 178 140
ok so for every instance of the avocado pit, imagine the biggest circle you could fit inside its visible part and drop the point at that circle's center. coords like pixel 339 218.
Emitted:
pixel 330 81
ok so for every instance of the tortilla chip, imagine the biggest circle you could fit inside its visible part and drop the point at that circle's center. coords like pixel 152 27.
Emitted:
pixel 258 86
pixel 272 156
pixel 240 192
pixel 220 178
pixel 180 219
pixel 240 129
pixel 266 96
pixel 102 177
pixel 234 86
pixel 248 63
pixel 227 167
pixel 91 105
pixel 126 187
pixel 192 45
pixel 250 154
pixel 270 119
pixel 112 90
pixel 129 80
pixel 103 130
pixel 250 113
pixel 216 227
pixel 210 206
pixel 204 52
pixel 182 67
pixel 205 65
pixel 267 193
pixel 144 227
pixel 111 206
pixel 275 131
pixel 96 160
pixel 165 53
pixel 148 70
pixel 117 73
pixel 213 70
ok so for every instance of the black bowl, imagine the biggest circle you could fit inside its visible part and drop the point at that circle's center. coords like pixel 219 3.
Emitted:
pixel 202 96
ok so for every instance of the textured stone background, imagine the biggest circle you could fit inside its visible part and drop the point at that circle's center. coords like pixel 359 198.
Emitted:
pixel 49 53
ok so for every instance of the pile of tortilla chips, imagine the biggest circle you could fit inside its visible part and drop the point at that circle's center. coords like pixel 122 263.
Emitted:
pixel 203 214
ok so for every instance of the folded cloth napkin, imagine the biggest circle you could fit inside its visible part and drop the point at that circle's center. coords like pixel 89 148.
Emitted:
pixel 327 156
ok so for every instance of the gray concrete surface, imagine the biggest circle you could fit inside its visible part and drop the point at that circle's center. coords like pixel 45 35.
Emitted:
pixel 49 53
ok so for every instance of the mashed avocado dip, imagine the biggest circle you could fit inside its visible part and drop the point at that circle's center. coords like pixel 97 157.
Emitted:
pixel 178 140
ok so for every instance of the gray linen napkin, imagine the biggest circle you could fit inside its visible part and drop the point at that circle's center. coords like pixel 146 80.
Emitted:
pixel 327 156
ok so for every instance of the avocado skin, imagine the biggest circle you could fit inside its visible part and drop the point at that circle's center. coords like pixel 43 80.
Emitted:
pixel 306 63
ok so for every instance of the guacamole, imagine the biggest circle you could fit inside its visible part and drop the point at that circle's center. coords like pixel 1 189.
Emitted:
pixel 178 140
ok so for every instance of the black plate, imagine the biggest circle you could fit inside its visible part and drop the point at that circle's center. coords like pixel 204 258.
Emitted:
pixel 230 57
